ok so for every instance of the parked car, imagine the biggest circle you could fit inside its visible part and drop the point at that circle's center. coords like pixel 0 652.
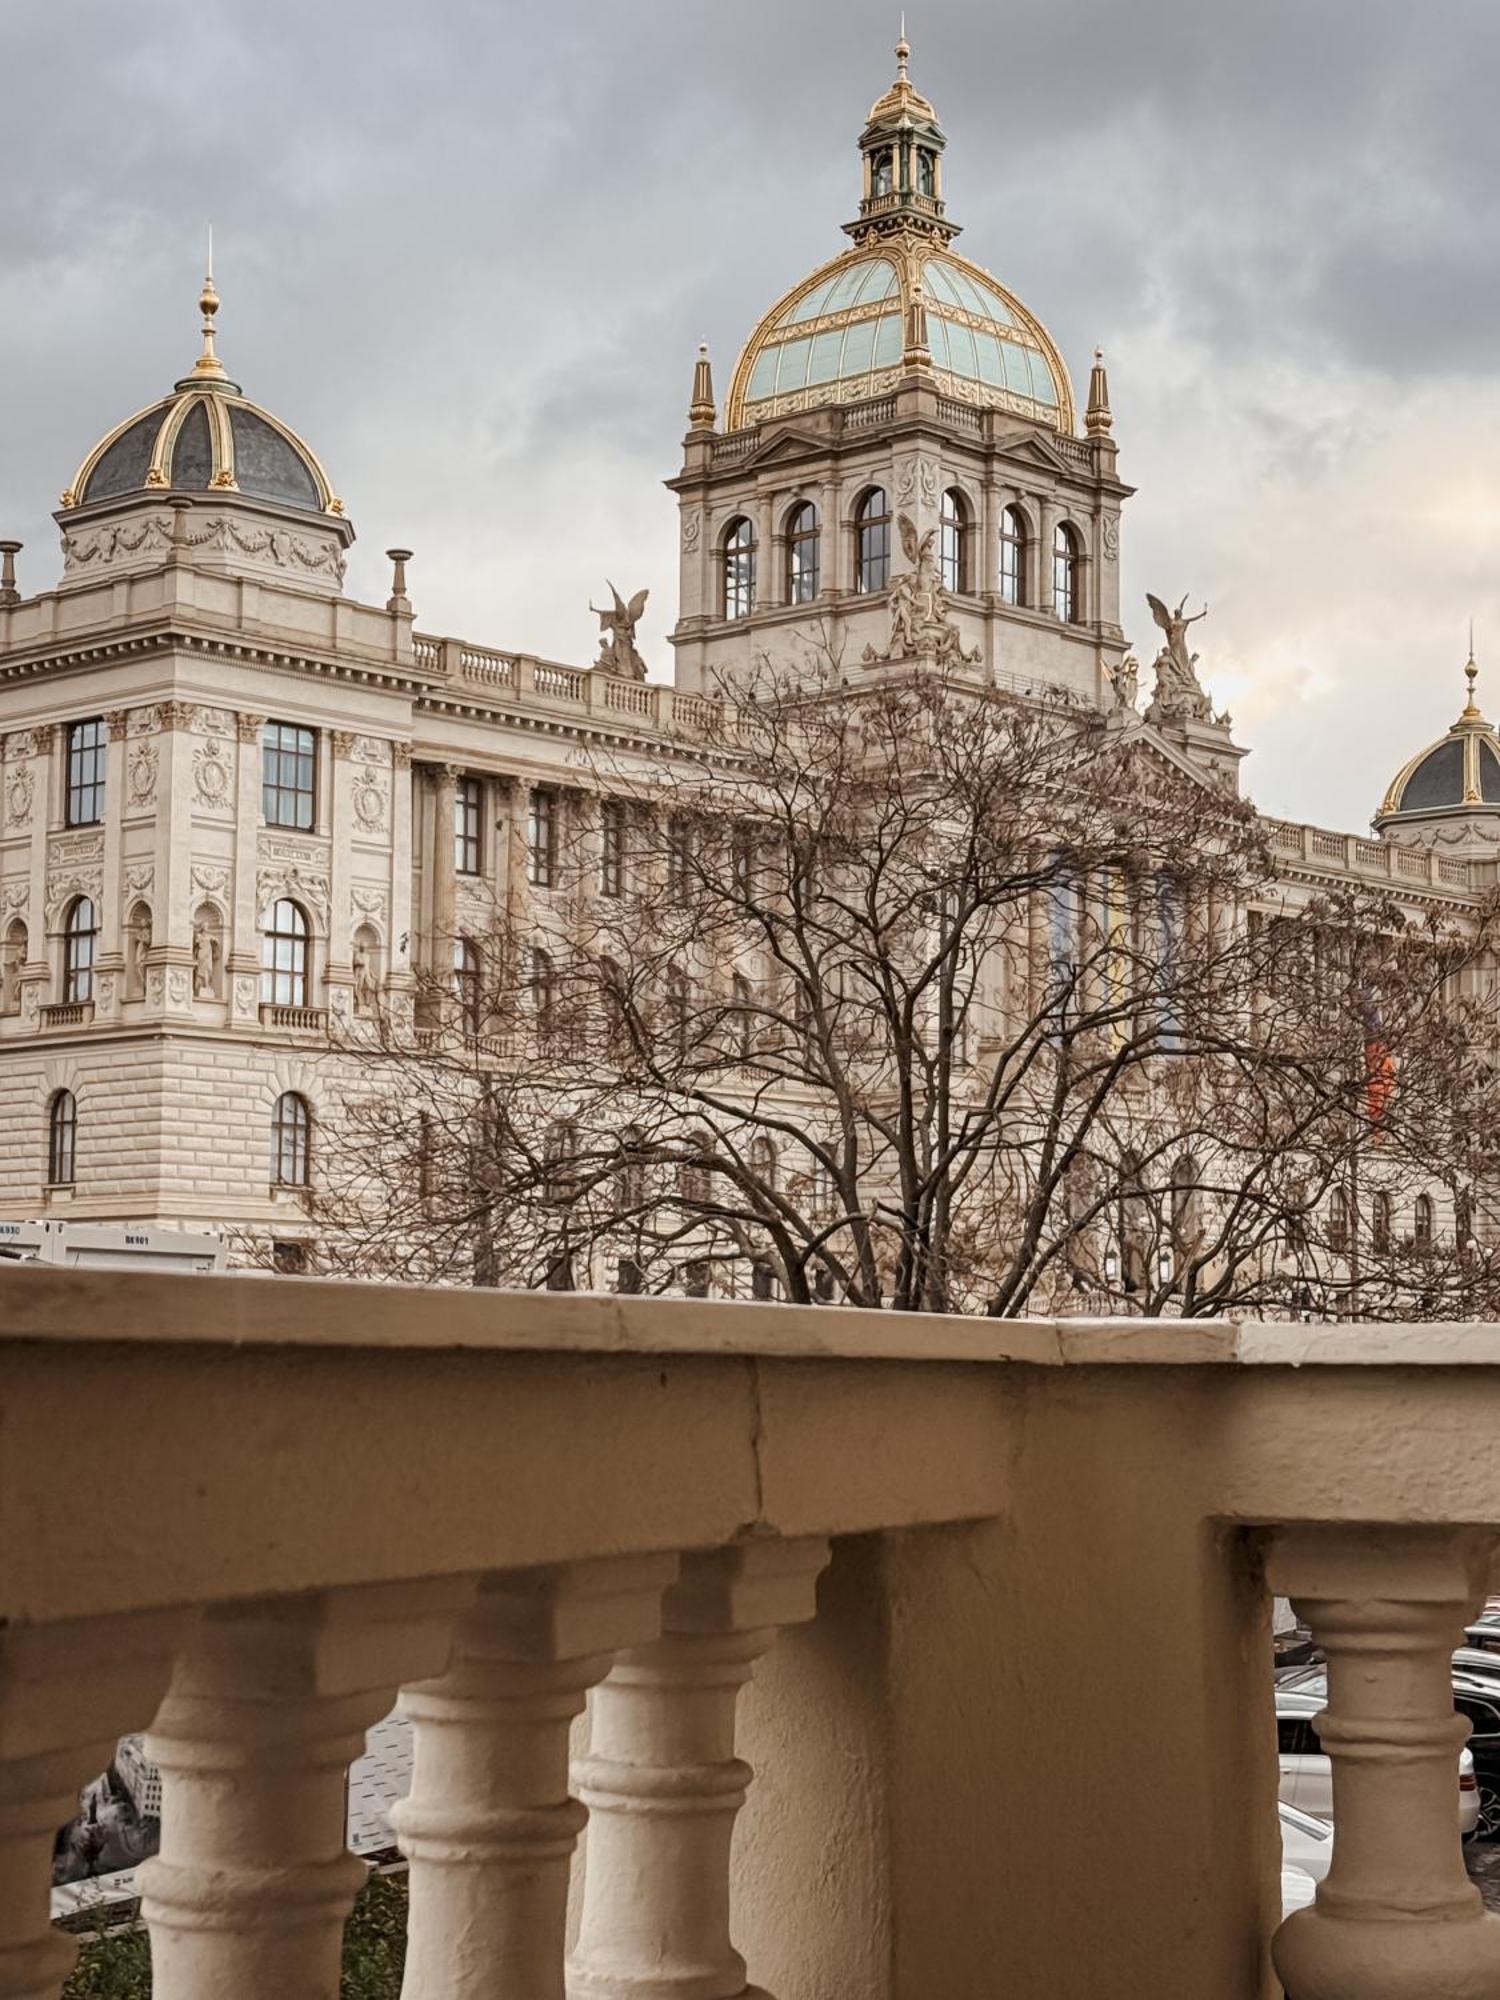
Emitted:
pixel 1306 1843
pixel 1298 1891
pixel 1479 1661
pixel 1307 1774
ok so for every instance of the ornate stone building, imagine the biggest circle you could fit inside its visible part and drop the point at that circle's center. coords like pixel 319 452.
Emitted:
pixel 237 807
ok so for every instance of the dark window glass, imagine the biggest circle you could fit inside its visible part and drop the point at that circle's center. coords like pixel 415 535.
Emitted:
pixel 288 769
pixel 1422 1220
pixel 541 986
pixel 612 848
pixel 290 1259
pixel 883 178
pixel 802 554
pixel 291 1134
pixel 86 772
pixel 468 800
pixel 872 557
pixel 283 956
pixel 1012 557
pixel 679 857
pixel 541 841
pixel 953 537
pixel 80 944
pixel 926 172
pixel 468 974
pixel 739 569
pixel 62 1135
pixel 1065 574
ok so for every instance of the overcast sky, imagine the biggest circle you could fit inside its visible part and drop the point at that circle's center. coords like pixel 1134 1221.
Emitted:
pixel 468 248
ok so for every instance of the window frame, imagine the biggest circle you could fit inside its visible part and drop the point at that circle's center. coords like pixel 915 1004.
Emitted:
pixel 613 846
pixel 955 538
pixel 80 951
pixel 62 1139
pixel 1067 574
pixel 86 756
pixel 1012 573
pixel 541 837
pixel 291 1141
pixel 872 541
pixel 740 548
pixel 301 788
pixel 293 976
pixel 468 826
pixel 468 982
pixel 804 536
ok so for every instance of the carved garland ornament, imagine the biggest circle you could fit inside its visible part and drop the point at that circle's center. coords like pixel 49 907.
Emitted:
pixel 64 886
pixel 19 791
pixel 212 778
pixel 369 801
pixel 142 775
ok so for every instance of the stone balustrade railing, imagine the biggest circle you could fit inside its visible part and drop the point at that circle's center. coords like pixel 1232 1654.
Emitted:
pixel 1349 854
pixel 921 1657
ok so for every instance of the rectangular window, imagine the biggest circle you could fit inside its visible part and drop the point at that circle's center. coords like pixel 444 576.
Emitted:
pixel 468 799
pixel 612 848
pixel 541 840
pixel 288 770
pixel 679 857
pixel 86 772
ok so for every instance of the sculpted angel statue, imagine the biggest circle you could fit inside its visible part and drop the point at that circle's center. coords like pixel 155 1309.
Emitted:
pixel 617 649
pixel 1177 685
pixel 927 589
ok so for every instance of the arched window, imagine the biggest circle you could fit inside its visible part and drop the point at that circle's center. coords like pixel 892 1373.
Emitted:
pixel 291 1140
pixel 739 568
pixel 1338 1222
pixel 953 539
pixel 872 541
pixel 80 943
pixel 1065 574
pixel 762 1161
pixel 926 171
pixel 541 988
pixel 468 982
pixel 1012 556
pixel 62 1135
pixel 283 956
pixel 1422 1227
pixel 883 173
pixel 1381 1222
pixel 802 554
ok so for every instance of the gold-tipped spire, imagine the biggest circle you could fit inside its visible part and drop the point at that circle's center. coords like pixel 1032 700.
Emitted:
pixel 1098 418
pixel 903 54
pixel 208 363
pixel 702 411
pixel 1471 674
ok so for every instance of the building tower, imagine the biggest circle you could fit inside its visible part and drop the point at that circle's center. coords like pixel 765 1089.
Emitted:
pixel 900 383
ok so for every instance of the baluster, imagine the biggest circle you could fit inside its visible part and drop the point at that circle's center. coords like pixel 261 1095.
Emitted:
pixel 663 1785
pixel 67 1693
pixel 268 1706
pixel 1397 1917
pixel 489 1827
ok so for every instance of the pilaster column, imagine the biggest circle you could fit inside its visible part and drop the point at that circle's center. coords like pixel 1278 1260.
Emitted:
pixel 67 1693
pixel 1397 1917
pixel 338 970
pixel 268 1706
pixel 403 914
pixel 663 1785
pixel 444 781
pixel 1046 514
pixel 489 1827
pixel 242 946
pixel 117 723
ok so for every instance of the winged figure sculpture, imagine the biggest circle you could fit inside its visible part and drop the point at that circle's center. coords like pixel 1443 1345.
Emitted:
pixel 617 623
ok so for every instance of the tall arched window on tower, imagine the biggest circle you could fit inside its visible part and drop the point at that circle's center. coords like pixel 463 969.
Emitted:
pixel 1012 556
pixel 872 541
pixel 739 568
pixel 953 536
pixel 62 1136
pixel 1065 574
pixel 883 173
pixel 80 944
pixel 283 956
pixel 802 554
pixel 291 1140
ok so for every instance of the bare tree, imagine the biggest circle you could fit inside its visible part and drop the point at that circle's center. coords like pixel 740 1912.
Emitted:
pixel 917 995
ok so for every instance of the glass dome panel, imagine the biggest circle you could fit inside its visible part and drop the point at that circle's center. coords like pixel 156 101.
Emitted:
pixel 267 465
pixel 193 451
pixel 957 287
pixel 860 283
pixel 1437 781
pixel 124 466
pixel 827 349
pixel 1489 773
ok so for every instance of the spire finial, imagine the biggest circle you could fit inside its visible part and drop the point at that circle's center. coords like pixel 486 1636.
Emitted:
pixel 702 411
pixel 1098 418
pixel 208 362
pixel 1471 675
pixel 903 53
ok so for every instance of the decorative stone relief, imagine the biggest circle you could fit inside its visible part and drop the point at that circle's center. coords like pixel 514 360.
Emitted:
pixel 106 545
pixel 921 626
pixel 65 885
pixel 75 847
pixel 178 985
pixel 1110 538
pixel 156 986
pixel 106 989
pixel 401 756
pixel 210 881
pixel 214 722
pixel 142 774
pixel 343 742
pixel 247 727
pixel 279 848
pixel 141 880
pixel 145 721
pixel 212 777
pixel 277 545
pixel 244 995
pixel 14 898
pixel 692 530
pixel 917 475
pixel 372 750
pixel 118 720
pixel 19 790
pixel 368 903
pixel 369 801
pixel 308 889
pixel 31 1003
pixel 177 714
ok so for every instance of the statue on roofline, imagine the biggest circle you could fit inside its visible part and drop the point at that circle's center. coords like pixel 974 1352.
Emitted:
pixel 1179 694
pixel 617 622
